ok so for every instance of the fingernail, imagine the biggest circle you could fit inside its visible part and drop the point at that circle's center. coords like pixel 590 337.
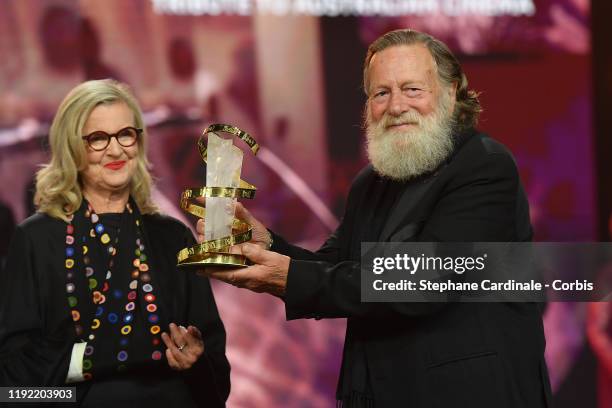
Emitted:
pixel 183 328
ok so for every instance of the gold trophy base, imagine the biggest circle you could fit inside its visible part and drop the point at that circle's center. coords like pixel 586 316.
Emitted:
pixel 216 259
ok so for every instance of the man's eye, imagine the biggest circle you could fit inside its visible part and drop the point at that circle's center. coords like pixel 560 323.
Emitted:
pixel 380 93
pixel 412 91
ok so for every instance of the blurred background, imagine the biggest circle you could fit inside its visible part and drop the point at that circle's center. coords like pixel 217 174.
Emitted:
pixel 289 72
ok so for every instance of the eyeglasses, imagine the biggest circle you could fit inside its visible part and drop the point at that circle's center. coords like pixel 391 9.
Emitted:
pixel 99 140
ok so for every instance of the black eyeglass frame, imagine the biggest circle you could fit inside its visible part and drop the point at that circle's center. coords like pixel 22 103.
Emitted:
pixel 110 136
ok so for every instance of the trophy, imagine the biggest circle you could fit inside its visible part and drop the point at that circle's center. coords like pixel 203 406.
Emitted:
pixel 223 187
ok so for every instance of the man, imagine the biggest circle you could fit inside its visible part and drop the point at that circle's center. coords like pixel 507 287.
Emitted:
pixel 432 178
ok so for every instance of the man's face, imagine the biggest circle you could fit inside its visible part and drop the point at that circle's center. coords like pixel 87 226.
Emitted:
pixel 402 78
pixel 409 113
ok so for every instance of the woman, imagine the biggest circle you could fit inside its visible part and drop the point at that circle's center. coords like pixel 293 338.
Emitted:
pixel 91 295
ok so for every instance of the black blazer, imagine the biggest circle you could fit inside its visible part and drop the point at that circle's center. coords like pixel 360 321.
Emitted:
pixel 426 355
pixel 37 333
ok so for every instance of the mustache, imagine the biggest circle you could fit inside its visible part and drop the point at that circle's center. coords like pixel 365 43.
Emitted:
pixel 406 118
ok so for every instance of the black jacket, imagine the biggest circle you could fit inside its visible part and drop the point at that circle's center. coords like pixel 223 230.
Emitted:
pixel 427 355
pixel 37 333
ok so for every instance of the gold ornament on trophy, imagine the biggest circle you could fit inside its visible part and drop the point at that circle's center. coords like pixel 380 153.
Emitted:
pixel 223 187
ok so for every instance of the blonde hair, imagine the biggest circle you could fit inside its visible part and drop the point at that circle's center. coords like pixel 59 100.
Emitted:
pixel 467 105
pixel 58 186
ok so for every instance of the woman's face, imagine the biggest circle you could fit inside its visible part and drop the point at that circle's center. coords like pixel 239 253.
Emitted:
pixel 109 170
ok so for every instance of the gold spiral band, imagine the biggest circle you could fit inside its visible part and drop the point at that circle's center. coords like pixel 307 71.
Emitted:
pixel 216 252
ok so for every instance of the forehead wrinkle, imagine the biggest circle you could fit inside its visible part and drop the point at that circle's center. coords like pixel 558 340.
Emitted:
pixel 411 62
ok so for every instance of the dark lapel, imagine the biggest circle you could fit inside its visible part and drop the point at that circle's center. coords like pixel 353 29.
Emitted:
pixel 410 198
pixel 399 218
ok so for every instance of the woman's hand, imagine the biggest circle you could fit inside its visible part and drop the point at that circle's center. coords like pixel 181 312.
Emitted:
pixel 185 346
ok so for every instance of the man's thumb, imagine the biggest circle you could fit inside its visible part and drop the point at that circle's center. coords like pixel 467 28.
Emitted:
pixel 254 253
pixel 242 213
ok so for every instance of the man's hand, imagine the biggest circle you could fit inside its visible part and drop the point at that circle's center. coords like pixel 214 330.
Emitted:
pixel 261 236
pixel 185 346
pixel 269 274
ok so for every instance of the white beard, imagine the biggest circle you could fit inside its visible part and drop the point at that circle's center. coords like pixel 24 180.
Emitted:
pixel 405 154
